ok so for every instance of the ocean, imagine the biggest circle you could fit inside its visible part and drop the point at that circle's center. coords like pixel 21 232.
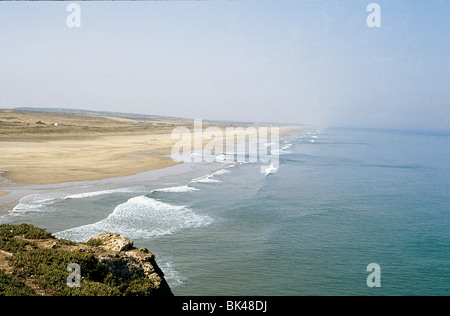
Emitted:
pixel 341 199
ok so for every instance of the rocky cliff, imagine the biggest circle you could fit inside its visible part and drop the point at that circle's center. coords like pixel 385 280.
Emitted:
pixel 33 262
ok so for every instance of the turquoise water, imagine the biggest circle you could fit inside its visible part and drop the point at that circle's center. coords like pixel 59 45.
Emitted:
pixel 341 199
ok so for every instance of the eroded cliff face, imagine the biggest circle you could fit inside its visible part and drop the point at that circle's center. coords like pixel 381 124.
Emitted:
pixel 33 262
pixel 118 252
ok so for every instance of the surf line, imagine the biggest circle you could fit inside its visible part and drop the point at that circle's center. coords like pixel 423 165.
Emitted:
pixel 236 143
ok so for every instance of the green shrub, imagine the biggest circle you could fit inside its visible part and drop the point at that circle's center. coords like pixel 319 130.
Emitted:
pixel 9 286
pixel 94 242
pixel 48 267
pixel 25 230
pixel 9 243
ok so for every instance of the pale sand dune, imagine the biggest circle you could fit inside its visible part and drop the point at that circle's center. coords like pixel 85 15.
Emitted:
pixel 87 147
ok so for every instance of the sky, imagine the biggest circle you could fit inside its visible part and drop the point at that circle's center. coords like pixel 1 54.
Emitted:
pixel 293 62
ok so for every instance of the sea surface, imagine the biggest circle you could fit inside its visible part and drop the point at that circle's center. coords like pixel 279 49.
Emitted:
pixel 340 200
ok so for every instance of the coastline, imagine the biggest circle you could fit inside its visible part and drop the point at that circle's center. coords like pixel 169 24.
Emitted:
pixel 75 210
pixel 89 152
pixel 155 178
pixel 83 148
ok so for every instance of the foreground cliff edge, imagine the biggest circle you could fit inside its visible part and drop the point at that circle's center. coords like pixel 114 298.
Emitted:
pixel 34 262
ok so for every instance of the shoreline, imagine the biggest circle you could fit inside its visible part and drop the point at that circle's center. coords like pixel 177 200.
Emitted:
pixel 87 151
pixel 127 188
pixel 152 178
pixel 84 147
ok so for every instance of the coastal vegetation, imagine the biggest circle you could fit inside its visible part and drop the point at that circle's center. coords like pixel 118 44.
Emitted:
pixel 33 262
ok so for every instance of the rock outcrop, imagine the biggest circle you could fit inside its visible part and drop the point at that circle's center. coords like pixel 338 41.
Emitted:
pixel 124 260
pixel 113 241
pixel 33 262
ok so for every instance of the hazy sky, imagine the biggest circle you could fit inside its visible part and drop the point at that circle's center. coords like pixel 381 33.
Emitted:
pixel 310 62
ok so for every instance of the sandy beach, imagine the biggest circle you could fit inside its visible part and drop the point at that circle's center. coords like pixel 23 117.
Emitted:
pixel 43 148
pixel 49 148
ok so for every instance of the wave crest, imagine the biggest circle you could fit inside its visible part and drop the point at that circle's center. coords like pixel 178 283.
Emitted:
pixel 140 217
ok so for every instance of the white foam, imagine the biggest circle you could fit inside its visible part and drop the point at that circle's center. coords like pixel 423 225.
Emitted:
pixel 206 179
pixel 140 217
pixel 172 276
pixel 221 158
pixel 276 152
pixel 179 189
pixel 271 169
pixel 230 159
pixel 22 208
pixel 280 152
pixel 34 203
pixel 283 150
pixel 287 146
pixel 221 172
pixel 98 193
pixel 39 202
